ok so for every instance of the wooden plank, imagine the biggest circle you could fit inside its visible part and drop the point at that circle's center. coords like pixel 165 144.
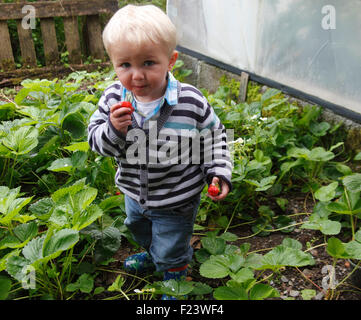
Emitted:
pixel 48 34
pixel 6 52
pixel 26 46
pixel 72 39
pixel 72 8
pixel 94 37
pixel 243 87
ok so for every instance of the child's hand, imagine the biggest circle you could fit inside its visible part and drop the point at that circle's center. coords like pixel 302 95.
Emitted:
pixel 224 190
pixel 120 116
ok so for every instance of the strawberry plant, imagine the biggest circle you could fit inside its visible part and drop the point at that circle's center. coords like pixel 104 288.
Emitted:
pixel 61 218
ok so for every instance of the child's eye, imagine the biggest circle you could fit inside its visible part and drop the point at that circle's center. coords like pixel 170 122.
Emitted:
pixel 125 65
pixel 148 63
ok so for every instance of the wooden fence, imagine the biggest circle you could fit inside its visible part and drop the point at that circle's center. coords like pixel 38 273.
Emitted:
pixel 45 10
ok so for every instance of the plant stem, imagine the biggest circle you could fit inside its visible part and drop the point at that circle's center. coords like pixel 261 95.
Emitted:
pixel 351 216
pixel 308 279
pixel 344 279
pixel 233 213
pixel 12 172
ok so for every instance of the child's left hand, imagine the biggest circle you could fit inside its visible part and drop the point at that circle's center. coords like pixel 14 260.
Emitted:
pixel 223 192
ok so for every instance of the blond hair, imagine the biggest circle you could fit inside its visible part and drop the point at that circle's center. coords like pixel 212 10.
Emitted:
pixel 138 25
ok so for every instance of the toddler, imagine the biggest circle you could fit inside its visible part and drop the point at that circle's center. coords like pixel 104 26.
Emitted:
pixel 167 149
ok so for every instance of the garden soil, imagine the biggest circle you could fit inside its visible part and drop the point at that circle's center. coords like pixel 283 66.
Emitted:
pixel 291 281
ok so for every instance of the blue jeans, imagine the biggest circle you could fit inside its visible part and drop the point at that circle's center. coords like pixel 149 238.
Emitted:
pixel 164 233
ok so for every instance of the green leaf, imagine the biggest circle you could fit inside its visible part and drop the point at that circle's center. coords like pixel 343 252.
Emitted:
pixel 338 207
pixel 358 236
pixel 33 250
pixel 87 217
pixel 117 284
pixel 83 198
pixel 75 124
pixel 345 170
pixel 230 293
pixel 353 249
pixel 357 156
pixel 42 208
pixel 176 288
pixel 298 152
pixel 10 242
pixel 282 256
pixel 22 140
pixel 214 245
pixel 85 284
pixel 72 190
pixel 63 164
pixel 111 202
pixel 4 258
pixel 15 266
pixel 26 231
pixel 242 275
pixel 59 217
pixel 336 248
pixel 262 291
pixel 353 182
pixel 10 205
pixel 308 294
pixel 202 255
pixel 320 154
pixel 283 221
pixel 200 289
pixel 292 243
pixel 270 92
pixel 60 241
pixel 228 236
pixel 322 223
pixel 78 159
pixel 326 193
pixel 215 267
pixel 108 243
pixel 319 129
pixel 78 146
pixel 5 286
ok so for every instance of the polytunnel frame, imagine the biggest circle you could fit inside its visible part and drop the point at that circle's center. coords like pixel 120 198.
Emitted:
pixel 337 109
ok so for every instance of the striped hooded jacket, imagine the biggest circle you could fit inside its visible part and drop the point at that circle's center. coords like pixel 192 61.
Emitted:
pixel 169 160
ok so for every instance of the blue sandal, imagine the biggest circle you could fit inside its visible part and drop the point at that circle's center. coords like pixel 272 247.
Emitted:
pixel 139 263
pixel 175 275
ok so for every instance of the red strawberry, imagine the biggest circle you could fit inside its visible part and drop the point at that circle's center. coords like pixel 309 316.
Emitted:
pixel 213 190
pixel 123 104
pixel 127 104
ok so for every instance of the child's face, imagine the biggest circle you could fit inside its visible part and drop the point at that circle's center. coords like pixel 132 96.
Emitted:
pixel 143 70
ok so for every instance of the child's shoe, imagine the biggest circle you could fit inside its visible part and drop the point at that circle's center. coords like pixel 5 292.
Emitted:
pixel 139 263
pixel 177 274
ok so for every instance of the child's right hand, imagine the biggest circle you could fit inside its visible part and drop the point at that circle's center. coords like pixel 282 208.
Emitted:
pixel 120 116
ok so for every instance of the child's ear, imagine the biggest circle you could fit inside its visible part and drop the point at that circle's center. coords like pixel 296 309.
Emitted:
pixel 172 60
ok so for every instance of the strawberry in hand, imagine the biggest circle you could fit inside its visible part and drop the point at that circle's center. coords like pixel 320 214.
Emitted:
pixel 218 189
pixel 213 190
pixel 123 104
pixel 120 116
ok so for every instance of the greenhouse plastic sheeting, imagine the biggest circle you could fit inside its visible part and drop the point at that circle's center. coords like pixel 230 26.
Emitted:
pixel 312 46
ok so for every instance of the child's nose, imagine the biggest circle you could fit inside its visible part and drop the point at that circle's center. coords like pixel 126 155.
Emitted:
pixel 138 74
